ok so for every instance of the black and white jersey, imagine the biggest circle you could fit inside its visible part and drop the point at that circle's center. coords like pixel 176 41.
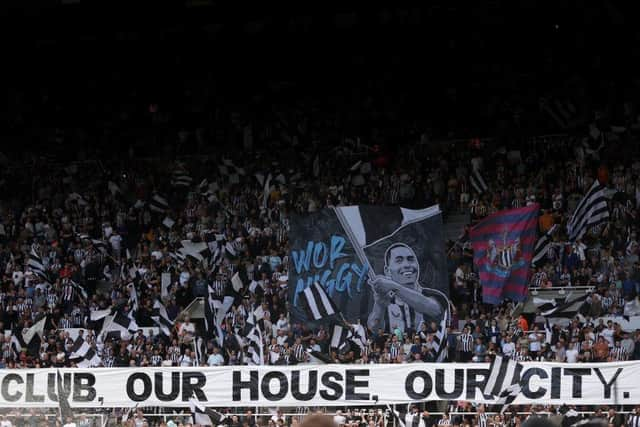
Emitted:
pixel 633 420
pixel 483 420
pixel 466 343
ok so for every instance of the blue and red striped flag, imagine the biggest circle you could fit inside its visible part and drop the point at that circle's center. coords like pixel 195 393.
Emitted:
pixel 502 251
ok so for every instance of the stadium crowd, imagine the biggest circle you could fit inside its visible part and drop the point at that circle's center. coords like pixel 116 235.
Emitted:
pixel 85 237
pixel 103 241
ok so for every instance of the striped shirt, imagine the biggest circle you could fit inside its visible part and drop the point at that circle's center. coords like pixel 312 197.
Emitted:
pixel 22 307
pixel 466 341
pixel 77 317
pixel 633 420
pixel 174 354
pixel 518 356
pixel 52 299
pixel 394 350
pixel 218 287
pixel 298 352
pixel 67 291
pixel 619 353
pixel 539 279
pixel 482 420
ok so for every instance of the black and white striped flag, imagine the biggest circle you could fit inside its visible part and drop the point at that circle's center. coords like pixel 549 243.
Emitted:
pixel 88 356
pixel 477 181
pixel 568 309
pixel 29 339
pixel 178 256
pixel 118 326
pixel 158 203
pixel 563 113
pixel 256 345
pixel 161 318
pixel 502 373
pixel 317 302
pixel 591 211
pixel 340 337
pixel 230 171
pixel 204 416
pixel 181 178
pixel 36 266
pixel 543 245
pixel 508 395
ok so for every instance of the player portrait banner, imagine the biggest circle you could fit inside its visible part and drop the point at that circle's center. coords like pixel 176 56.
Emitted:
pixel 382 266
pixel 314 385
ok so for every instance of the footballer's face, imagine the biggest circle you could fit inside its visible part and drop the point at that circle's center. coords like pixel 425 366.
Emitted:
pixel 403 266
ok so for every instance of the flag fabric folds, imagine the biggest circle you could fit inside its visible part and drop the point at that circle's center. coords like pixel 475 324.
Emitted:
pixel 181 178
pixel 477 181
pixel 503 248
pixel 569 309
pixel 508 395
pixel 367 226
pixel 82 350
pixel 503 382
pixel 503 372
pixel 543 245
pixel 339 336
pixel 256 345
pixel 29 339
pixel 158 203
pixel 36 266
pixel 591 211
pixel 317 302
pixel 204 416
pixel 161 318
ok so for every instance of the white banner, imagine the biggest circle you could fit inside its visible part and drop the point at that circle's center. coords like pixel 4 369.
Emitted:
pixel 315 385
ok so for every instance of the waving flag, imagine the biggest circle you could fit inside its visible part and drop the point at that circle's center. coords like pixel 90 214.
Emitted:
pixel 502 251
pixel 591 211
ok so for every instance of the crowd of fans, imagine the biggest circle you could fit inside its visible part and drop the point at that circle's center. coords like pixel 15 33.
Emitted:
pixel 104 244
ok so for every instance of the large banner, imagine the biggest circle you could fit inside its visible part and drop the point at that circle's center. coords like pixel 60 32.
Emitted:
pixel 502 250
pixel 383 266
pixel 314 385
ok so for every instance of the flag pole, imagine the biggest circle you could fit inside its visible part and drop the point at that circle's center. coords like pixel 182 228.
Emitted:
pixel 362 257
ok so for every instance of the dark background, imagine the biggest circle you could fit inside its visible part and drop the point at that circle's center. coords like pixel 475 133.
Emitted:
pixel 451 69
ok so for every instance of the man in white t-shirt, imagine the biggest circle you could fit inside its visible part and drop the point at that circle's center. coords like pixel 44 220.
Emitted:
pixel 339 419
pixel 215 359
pixel 607 333
pixel 185 359
pixel 5 422
pixel 535 339
pixel 572 353
pixel 282 324
pixel 508 347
